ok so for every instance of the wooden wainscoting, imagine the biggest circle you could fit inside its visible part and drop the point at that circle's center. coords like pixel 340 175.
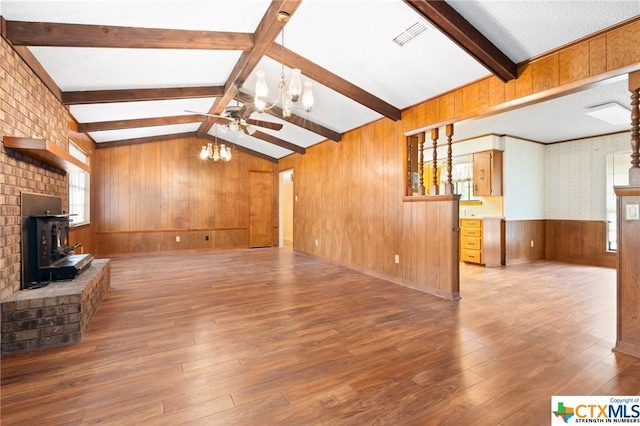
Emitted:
pixel 145 195
pixel 83 234
pixel 579 241
pixel 430 244
pixel 111 243
pixel 518 237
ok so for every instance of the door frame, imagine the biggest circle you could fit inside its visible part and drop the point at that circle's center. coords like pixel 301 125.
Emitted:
pixel 285 201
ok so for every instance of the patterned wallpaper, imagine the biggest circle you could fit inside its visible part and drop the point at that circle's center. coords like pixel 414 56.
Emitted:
pixel 524 179
pixel 576 176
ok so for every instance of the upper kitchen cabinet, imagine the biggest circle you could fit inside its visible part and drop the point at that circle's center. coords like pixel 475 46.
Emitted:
pixel 487 173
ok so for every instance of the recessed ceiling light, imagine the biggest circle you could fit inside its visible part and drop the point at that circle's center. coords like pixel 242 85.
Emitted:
pixel 612 113
pixel 410 33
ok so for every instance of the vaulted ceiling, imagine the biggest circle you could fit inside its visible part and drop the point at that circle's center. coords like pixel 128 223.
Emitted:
pixel 133 71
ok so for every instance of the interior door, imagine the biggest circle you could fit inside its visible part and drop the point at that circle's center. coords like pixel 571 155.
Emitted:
pixel 260 209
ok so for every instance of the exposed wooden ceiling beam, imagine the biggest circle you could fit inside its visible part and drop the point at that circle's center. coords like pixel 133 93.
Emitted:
pixel 465 35
pixel 21 33
pixel 149 139
pixel 303 122
pixel 186 135
pixel 281 54
pixel 133 95
pixel 139 122
pixel 267 31
pixel 279 142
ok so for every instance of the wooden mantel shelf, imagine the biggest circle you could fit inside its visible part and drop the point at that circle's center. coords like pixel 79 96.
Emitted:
pixel 46 152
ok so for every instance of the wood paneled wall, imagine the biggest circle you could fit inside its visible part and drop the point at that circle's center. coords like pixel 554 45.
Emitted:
pixel 628 324
pixel 146 195
pixel 430 244
pixel 84 235
pixel 518 237
pixel 579 241
pixel 349 198
pixel 606 54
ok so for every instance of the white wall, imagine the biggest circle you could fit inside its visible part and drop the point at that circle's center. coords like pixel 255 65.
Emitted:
pixel 576 176
pixel 524 179
pixel 285 207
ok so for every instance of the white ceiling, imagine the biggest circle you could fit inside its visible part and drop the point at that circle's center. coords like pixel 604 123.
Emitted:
pixel 352 39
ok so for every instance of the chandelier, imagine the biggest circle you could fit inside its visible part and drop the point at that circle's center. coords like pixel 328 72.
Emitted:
pixel 288 96
pixel 212 151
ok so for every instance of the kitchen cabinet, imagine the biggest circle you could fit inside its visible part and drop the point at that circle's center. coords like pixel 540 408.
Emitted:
pixel 482 241
pixel 471 240
pixel 487 173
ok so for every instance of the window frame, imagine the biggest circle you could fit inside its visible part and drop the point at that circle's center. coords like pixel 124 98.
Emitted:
pixel 77 152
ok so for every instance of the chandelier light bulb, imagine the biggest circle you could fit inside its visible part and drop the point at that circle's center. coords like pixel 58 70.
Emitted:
pixel 295 87
pixel 228 153
pixel 216 153
pixel 262 92
pixel 307 97
pixel 204 153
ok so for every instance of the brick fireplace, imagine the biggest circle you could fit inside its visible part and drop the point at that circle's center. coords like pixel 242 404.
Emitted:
pixel 52 315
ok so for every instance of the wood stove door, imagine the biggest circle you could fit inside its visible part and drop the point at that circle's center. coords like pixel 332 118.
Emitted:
pixel 260 209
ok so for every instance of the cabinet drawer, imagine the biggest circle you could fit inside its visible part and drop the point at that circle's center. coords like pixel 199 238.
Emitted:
pixel 472 243
pixel 471 232
pixel 471 223
pixel 472 256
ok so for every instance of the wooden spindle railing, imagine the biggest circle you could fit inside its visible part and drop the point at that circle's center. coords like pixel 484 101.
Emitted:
pixel 434 137
pixel 634 88
pixel 409 189
pixel 448 189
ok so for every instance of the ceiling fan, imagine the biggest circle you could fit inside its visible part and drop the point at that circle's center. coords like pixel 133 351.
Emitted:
pixel 237 118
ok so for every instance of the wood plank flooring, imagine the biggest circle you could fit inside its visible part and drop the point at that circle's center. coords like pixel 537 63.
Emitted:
pixel 270 336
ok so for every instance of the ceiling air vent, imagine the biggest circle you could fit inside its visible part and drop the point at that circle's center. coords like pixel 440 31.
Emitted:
pixel 410 33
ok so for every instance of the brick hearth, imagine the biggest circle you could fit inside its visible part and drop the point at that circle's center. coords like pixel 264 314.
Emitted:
pixel 54 315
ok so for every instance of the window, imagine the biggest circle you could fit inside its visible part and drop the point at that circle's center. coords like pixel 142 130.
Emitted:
pixel 618 165
pixel 78 189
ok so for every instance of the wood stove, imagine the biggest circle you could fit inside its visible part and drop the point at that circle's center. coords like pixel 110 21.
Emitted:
pixel 52 257
pixel 47 254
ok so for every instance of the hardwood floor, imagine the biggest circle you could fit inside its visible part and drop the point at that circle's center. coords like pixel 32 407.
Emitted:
pixel 270 336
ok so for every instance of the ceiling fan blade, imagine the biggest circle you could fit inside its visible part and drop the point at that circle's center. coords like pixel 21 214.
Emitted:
pixel 202 113
pixel 265 124
pixel 219 117
pixel 246 110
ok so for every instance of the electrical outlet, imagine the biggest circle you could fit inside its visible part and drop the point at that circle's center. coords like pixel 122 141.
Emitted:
pixel 177 238
pixel 397 258
pixel 206 238
pixel 531 243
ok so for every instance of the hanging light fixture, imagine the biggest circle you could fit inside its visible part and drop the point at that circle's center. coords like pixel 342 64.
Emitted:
pixel 289 96
pixel 212 151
